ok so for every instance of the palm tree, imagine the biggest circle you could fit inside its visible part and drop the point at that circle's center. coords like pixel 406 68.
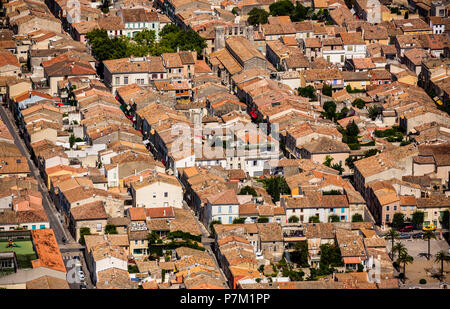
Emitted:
pixel 399 248
pixel 429 235
pixel 404 258
pixel 393 235
pixel 442 257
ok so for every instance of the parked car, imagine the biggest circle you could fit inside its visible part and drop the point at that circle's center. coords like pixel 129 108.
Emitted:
pixel 407 228
pixel 405 236
pixel 83 286
pixel 418 235
pixel 429 227
pixel 81 275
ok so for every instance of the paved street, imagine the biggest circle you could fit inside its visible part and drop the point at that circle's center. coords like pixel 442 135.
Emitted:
pixel 207 242
pixel 70 258
pixel 49 207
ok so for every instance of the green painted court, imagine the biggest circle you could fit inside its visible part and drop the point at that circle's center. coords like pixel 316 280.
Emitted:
pixel 26 247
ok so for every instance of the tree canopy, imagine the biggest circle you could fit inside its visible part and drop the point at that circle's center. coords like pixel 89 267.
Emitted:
pixel 144 43
pixel 258 17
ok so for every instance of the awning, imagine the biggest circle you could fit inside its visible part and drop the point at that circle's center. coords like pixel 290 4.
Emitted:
pixel 352 260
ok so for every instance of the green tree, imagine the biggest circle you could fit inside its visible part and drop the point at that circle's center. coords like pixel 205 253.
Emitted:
pixel 307 92
pixel 428 235
pixel 110 229
pixel 239 220
pixel 330 255
pixel 263 220
pixel 293 219
pixel 169 28
pixel 84 231
pixel 333 218
pixel 314 219
pixel 370 152
pixel 445 218
pixel 257 17
pixel 359 103
pixel 104 48
pixel 350 162
pixel 72 140
pixel 352 129
pixel 398 220
pixel 329 108
pixel 392 235
pixel 398 248
pixel 300 254
pixel 152 238
pixel 281 8
pixel 442 257
pixel 357 218
pixel 404 258
pixel 338 167
pixel 374 111
pixel 145 38
pixel 211 227
pixel 327 90
pixel 328 160
pixel 276 186
pixel 418 218
pixel 234 11
pixel 247 190
pixel 300 13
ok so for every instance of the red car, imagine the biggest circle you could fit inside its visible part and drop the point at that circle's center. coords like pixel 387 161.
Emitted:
pixel 406 229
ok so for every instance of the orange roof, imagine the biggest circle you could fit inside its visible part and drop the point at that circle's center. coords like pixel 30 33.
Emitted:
pixel 137 213
pixel 47 250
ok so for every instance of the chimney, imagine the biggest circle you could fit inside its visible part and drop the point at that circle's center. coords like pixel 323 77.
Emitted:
pixel 219 38
pixel 250 34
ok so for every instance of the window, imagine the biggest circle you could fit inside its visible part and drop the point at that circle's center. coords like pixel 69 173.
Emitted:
pixel 219 219
pixel 387 208
pixel 395 207
pixel 342 58
pixel 230 209
pixel 328 58
pixel 255 162
pixel 342 210
pixel 135 242
pixel 117 81
pixel 387 217
pixel 230 220
pixel 166 194
pixel 99 227
pixel 219 210
pixel 125 80
pixel 350 48
pixel 33 227
pixel 154 194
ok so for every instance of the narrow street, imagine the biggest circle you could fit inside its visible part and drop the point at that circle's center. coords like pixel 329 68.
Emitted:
pixel 49 207
pixel 207 242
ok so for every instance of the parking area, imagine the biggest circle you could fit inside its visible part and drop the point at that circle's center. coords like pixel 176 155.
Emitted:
pixel 77 273
pixel 422 268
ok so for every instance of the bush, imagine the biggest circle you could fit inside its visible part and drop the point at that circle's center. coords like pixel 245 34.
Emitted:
pixel 263 220
pixel 423 281
pixel 247 190
pixel 239 220
pixel 293 219
pixel 357 218
pixel 314 219
pixel 133 269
